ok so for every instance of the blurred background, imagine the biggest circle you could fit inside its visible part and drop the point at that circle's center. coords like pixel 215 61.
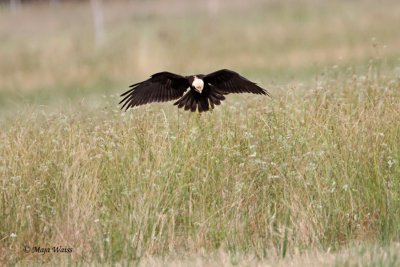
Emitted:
pixel 59 52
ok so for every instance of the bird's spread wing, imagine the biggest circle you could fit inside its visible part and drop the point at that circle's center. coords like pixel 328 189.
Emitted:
pixel 227 81
pixel 161 87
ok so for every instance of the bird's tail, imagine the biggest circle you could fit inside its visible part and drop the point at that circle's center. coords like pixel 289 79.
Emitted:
pixel 193 100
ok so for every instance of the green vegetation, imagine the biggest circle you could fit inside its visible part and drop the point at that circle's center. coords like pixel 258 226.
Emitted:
pixel 310 176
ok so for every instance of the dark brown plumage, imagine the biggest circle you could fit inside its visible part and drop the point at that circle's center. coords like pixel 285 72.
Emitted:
pixel 205 91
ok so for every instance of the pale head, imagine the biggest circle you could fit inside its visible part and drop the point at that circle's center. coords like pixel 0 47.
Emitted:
pixel 198 84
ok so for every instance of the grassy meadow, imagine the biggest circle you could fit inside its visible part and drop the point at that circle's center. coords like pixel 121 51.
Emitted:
pixel 310 176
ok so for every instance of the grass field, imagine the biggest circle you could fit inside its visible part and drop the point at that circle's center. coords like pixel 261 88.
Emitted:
pixel 309 176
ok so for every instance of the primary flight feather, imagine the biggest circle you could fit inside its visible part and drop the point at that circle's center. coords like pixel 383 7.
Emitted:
pixel 205 91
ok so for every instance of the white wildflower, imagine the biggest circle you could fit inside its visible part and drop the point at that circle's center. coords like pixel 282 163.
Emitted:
pixel 239 187
pixel 260 162
pixel 391 162
pixel 15 178
pixel 248 135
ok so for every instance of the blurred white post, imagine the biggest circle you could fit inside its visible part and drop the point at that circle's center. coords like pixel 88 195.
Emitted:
pixel 213 7
pixel 54 2
pixel 15 5
pixel 98 21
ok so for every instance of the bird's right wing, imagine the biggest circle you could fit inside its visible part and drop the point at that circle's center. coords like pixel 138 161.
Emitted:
pixel 161 87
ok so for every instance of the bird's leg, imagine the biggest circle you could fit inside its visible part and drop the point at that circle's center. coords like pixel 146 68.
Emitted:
pixel 197 111
pixel 209 106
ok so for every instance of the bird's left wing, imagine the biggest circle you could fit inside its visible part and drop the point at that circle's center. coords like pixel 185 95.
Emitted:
pixel 161 87
pixel 228 81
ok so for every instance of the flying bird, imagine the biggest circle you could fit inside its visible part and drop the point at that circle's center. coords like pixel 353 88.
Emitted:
pixel 205 91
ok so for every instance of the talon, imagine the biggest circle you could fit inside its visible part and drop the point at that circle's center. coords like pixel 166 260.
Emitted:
pixel 197 111
pixel 209 106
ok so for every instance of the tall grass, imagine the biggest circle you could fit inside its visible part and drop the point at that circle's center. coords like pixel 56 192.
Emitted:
pixel 313 167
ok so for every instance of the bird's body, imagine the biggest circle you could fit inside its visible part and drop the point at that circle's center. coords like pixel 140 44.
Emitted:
pixel 205 91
